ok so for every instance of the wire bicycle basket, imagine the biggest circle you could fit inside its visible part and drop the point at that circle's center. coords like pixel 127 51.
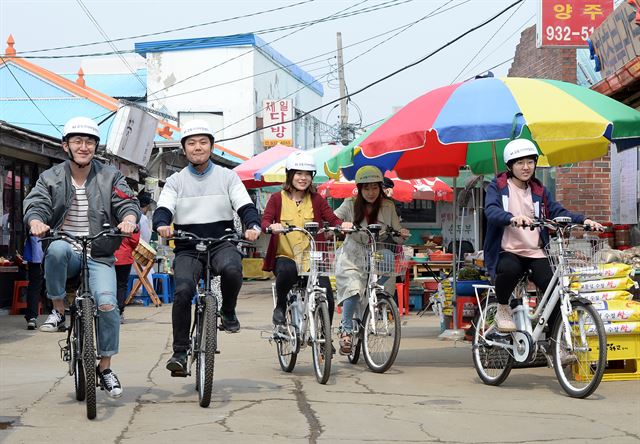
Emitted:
pixel 389 259
pixel 576 256
pixel 323 258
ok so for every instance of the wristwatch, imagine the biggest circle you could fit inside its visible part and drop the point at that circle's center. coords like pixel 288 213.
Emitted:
pixel 257 228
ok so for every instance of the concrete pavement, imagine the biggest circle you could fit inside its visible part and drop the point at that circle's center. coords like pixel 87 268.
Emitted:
pixel 431 394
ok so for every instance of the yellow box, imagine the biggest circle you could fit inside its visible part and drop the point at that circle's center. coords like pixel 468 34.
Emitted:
pixel 252 269
pixel 623 357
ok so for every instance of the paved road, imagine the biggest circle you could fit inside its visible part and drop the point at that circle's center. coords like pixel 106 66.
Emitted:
pixel 432 393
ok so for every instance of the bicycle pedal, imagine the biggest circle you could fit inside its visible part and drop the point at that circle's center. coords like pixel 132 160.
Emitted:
pixel 179 374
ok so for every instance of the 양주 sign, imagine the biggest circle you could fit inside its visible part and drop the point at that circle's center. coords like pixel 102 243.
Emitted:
pixel 569 23
pixel 274 114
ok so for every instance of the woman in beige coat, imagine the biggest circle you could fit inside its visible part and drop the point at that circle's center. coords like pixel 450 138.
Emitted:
pixel 369 206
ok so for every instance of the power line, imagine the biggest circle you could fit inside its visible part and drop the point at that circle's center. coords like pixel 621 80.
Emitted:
pixel 385 5
pixel 119 39
pixel 401 30
pixel 486 43
pixel 27 94
pixel 404 68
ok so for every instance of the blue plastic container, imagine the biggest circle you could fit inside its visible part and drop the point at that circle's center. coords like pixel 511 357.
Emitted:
pixel 465 288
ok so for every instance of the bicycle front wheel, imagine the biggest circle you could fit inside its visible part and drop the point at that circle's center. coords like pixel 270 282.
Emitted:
pixel 321 344
pixel 76 366
pixel 492 362
pixel 580 364
pixel 356 346
pixel 89 355
pixel 287 342
pixel 381 338
pixel 206 352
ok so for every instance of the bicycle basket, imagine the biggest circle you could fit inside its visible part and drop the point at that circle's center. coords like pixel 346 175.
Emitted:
pixel 575 255
pixel 323 259
pixel 390 259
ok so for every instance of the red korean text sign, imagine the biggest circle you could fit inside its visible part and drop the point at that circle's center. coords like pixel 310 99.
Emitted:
pixel 275 113
pixel 570 22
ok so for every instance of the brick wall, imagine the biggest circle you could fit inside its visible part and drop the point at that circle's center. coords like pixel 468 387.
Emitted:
pixel 586 186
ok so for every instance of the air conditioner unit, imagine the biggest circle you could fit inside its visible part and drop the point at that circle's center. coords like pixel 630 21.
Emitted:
pixel 131 135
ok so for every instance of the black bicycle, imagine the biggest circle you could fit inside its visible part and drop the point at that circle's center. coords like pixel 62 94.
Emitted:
pixel 203 337
pixel 79 348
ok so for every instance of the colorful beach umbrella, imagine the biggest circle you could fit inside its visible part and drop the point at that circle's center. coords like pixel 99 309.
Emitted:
pixel 275 172
pixel 248 169
pixel 469 123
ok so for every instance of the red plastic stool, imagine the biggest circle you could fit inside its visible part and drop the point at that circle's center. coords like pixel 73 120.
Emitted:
pixel 460 302
pixel 19 302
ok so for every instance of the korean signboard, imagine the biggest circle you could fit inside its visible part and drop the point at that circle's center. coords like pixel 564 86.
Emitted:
pixel 275 112
pixel 570 22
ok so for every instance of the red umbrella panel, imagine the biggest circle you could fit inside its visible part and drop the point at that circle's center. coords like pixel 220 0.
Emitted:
pixel 247 169
pixel 429 188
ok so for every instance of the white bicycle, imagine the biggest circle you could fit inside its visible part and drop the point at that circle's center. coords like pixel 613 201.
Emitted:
pixel 576 347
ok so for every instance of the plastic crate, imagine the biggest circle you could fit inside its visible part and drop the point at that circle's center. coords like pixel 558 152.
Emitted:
pixel 623 357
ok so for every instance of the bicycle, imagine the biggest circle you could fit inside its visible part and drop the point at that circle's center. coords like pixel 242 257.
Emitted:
pixel 203 337
pixel 81 342
pixel 576 348
pixel 307 318
pixel 376 325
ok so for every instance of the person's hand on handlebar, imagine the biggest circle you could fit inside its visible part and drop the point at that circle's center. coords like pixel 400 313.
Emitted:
pixel 165 231
pixel 521 221
pixel 404 233
pixel 128 225
pixel 251 234
pixel 276 228
pixel 595 226
pixel 346 225
pixel 38 228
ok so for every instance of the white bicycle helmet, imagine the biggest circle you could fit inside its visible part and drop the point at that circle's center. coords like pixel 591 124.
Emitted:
pixel 82 126
pixel 519 148
pixel 369 174
pixel 196 128
pixel 300 161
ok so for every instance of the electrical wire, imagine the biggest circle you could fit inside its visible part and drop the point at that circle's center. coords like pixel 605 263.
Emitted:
pixel 119 39
pixel 394 73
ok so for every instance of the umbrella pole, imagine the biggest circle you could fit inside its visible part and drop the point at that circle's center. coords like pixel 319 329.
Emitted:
pixel 454 252
pixel 495 157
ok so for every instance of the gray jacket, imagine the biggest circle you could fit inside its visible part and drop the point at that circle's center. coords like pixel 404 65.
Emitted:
pixel 110 200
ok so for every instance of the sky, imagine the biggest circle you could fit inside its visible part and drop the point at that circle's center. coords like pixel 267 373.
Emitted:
pixel 47 23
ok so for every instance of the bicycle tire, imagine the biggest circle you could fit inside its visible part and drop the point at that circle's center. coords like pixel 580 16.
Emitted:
pixel 356 346
pixel 288 355
pixel 321 344
pixel 493 364
pixel 380 353
pixel 581 377
pixel 76 364
pixel 207 350
pixel 89 354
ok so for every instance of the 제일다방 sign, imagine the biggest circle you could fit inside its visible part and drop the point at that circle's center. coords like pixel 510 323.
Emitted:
pixel 275 112
pixel 569 23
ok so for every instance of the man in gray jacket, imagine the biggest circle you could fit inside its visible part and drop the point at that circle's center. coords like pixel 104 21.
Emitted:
pixel 79 196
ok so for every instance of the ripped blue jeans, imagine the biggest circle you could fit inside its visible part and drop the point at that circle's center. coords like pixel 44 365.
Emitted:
pixel 61 262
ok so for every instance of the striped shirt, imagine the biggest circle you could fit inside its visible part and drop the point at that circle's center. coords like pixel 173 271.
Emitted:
pixel 77 220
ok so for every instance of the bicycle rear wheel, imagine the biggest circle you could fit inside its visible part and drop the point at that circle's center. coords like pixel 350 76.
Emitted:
pixel 287 342
pixel 580 365
pixel 492 362
pixel 88 351
pixel 321 344
pixel 206 352
pixel 380 344
pixel 76 366
pixel 356 346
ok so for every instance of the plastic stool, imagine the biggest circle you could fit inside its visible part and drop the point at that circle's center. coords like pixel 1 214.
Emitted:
pixel 460 301
pixel 146 300
pixel 403 298
pixel 163 284
pixel 19 302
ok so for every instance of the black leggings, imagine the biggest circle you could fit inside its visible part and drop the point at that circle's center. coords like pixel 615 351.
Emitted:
pixel 122 283
pixel 512 267
pixel 287 275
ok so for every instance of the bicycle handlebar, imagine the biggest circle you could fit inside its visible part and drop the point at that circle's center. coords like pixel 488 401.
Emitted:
pixel 186 235
pixel 65 235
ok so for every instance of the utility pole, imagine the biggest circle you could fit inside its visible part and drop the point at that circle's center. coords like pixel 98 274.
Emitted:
pixel 344 113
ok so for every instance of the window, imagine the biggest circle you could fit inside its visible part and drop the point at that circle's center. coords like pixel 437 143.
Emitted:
pixel 418 211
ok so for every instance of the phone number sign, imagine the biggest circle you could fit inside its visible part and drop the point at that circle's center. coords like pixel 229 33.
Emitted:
pixel 570 22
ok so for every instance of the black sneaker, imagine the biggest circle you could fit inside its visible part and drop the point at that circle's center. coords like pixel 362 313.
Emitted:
pixel 278 316
pixel 32 324
pixel 230 322
pixel 54 322
pixel 178 362
pixel 109 382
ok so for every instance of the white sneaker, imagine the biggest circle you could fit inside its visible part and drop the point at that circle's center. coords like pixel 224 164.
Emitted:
pixel 504 319
pixel 54 322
